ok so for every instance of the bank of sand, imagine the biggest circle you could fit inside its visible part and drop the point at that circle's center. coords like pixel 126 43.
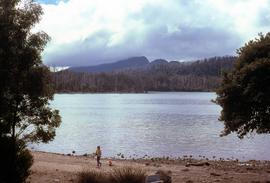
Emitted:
pixel 51 167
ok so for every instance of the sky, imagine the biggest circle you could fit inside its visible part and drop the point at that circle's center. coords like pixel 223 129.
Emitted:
pixel 92 32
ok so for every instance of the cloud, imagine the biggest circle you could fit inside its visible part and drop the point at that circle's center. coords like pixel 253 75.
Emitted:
pixel 98 31
pixel 192 43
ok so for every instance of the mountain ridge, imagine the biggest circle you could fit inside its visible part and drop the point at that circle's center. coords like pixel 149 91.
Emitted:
pixel 139 62
pixel 132 62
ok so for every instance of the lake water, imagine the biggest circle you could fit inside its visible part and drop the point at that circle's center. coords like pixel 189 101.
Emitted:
pixel 157 124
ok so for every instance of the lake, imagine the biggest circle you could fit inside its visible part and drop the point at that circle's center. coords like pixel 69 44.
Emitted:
pixel 155 124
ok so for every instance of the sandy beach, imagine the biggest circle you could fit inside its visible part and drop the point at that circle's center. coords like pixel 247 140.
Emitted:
pixel 51 167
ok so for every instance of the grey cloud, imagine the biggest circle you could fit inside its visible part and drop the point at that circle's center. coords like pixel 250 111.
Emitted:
pixel 91 51
pixel 187 43
pixel 196 36
pixel 207 41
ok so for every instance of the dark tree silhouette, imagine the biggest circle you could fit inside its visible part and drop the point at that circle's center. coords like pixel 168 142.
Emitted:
pixel 244 94
pixel 25 90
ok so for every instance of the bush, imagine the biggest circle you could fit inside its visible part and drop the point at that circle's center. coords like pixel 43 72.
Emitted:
pixel 120 175
pixel 128 175
pixel 92 177
pixel 15 160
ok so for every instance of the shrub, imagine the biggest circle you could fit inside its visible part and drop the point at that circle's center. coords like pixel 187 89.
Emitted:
pixel 120 175
pixel 128 175
pixel 15 160
pixel 93 177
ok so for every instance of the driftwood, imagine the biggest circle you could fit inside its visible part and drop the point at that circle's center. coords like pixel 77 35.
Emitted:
pixel 198 164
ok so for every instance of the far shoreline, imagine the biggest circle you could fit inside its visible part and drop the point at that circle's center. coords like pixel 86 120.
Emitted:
pixel 161 158
pixel 149 92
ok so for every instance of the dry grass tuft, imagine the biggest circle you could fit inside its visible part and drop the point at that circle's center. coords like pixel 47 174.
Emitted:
pixel 119 175
pixel 128 174
pixel 93 177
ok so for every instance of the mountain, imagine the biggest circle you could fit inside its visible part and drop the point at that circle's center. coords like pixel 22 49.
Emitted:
pixel 130 63
pixel 122 65
pixel 159 75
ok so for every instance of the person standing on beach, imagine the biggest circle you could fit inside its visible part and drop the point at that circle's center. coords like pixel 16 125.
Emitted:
pixel 98 154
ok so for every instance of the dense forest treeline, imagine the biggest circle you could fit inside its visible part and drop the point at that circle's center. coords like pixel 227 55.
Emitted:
pixel 160 75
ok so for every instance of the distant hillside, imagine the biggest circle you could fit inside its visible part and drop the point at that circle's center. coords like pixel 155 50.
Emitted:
pixel 159 75
pixel 134 62
pixel 207 67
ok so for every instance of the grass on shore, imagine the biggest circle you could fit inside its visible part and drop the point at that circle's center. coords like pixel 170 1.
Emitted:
pixel 119 175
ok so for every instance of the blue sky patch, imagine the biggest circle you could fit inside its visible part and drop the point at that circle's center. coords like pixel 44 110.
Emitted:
pixel 49 1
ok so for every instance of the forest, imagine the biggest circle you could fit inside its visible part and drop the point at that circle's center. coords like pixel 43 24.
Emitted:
pixel 159 75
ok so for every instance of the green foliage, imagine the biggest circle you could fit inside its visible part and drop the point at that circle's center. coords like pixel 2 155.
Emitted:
pixel 25 82
pixel 25 115
pixel 244 94
pixel 15 160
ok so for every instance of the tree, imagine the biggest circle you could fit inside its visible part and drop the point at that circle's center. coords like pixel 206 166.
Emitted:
pixel 25 83
pixel 244 94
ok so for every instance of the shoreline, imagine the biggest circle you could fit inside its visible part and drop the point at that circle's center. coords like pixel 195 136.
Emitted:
pixel 148 92
pixel 168 157
pixel 56 167
pixel 146 157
